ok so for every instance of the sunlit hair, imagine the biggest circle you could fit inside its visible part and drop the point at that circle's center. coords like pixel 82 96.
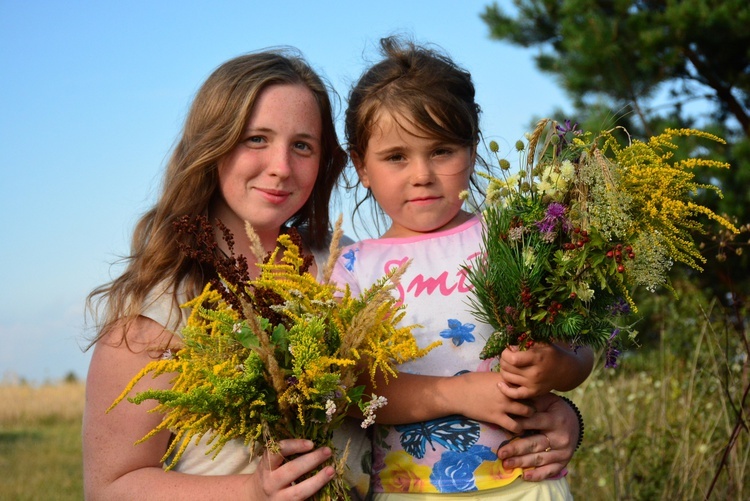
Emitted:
pixel 214 126
pixel 418 85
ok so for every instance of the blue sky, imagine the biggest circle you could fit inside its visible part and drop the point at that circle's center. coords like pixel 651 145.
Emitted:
pixel 92 98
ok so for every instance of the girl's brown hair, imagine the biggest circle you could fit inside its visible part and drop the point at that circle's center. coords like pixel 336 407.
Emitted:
pixel 213 127
pixel 419 85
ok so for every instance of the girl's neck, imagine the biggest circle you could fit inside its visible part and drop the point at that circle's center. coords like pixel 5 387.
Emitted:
pixel 401 232
pixel 242 246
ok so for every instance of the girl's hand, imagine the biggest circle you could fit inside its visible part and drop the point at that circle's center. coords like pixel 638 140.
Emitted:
pixel 550 450
pixel 479 396
pixel 544 367
pixel 276 477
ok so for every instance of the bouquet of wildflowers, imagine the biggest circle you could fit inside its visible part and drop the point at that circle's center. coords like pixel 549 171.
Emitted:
pixel 277 356
pixel 584 222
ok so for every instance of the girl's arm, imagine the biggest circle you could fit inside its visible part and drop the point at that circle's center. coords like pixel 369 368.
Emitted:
pixel 476 395
pixel 544 367
pixel 115 468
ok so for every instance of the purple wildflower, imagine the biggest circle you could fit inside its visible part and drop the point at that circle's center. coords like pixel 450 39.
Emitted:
pixel 555 213
pixel 562 130
pixel 619 307
pixel 292 380
pixel 546 226
pixel 562 133
pixel 612 351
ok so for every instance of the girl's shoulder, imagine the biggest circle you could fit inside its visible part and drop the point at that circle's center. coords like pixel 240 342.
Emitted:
pixel 162 305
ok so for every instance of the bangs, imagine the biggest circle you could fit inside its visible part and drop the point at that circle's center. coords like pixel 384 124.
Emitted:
pixel 424 116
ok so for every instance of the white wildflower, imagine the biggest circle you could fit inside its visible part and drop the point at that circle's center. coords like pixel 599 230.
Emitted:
pixel 330 410
pixel 567 170
pixel 370 408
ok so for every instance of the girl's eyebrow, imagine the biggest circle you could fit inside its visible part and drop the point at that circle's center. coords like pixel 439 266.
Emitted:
pixel 267 130
pixel 388 149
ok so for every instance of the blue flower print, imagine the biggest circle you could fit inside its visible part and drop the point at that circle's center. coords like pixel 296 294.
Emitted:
pixel 456 433
pixel 454 472
pixel 350 258
pixel 458 332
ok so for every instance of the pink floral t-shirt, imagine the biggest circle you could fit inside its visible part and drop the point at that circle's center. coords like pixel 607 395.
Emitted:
pixel 454 453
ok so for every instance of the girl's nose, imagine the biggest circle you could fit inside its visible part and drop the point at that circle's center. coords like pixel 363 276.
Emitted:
pixel 279 161
pixel 422 172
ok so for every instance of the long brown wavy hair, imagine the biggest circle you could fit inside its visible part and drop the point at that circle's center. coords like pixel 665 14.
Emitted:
pixel 213 127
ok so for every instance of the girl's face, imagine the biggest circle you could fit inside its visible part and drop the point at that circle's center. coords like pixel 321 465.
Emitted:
pixel 415 180
pixel 271 172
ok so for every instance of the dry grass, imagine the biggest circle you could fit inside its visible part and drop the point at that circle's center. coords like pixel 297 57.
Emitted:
pixel 666 427
pixel 33 404
pixel 40 441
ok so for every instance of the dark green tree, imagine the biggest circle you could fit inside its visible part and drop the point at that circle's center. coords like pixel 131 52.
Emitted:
pixel 618 59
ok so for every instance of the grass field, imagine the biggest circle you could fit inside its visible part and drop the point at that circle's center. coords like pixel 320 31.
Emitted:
pixel 40 442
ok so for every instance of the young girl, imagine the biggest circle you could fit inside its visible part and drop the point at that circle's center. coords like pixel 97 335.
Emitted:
pixel 259 145
pixel 413 129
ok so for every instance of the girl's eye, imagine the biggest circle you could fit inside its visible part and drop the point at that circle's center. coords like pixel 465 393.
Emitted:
pixel 254 140
pixel 304 149
pixel 439 152
pixel 395 157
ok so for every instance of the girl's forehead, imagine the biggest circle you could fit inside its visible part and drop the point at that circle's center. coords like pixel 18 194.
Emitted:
pixel 401 122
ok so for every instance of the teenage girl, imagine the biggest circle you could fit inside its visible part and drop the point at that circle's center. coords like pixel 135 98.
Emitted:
pixel 412 127
pixel 259 145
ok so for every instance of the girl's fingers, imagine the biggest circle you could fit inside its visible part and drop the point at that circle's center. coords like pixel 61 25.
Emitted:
pixel 287 448
pixel 292 470
pixel 306 489
pixel 292 446
pixel 528 448
pixel 543 472
pixel 514 392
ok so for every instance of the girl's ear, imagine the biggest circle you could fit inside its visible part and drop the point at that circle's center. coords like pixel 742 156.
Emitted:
pixel 359 165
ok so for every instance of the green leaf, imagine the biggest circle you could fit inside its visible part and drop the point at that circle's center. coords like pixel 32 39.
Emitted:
pixel 280 336
pixel 355 394
pixel 247 337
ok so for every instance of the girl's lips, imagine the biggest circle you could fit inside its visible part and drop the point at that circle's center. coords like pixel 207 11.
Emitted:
pixel 423 200
pixel 273 196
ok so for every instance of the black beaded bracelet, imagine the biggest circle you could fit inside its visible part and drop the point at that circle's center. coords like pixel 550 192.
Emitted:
pixel 580 420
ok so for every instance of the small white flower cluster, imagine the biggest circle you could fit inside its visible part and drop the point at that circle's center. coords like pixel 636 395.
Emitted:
pixel 330 410
pixel 370 408
pixel 328 303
